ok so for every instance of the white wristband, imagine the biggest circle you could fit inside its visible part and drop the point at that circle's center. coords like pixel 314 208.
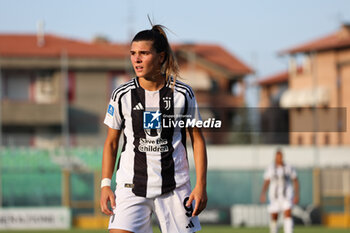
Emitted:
pixel 105 182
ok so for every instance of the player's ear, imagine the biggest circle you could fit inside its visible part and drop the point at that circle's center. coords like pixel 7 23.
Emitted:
pixel 161 58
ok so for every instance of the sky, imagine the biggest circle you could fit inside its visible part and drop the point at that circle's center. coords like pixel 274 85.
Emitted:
pixel 253 30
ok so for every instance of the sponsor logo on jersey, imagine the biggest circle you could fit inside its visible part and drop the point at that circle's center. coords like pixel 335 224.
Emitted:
pixel 158 145
pixel 110 110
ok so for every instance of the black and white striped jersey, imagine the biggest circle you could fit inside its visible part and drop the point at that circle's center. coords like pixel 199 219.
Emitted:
pixel 280 181
pixel 154 157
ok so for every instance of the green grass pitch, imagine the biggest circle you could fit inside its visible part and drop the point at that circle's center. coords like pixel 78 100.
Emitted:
pixel 208 229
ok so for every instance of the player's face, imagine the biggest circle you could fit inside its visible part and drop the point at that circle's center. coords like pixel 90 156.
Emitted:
pixel 279 159
pixel 145 60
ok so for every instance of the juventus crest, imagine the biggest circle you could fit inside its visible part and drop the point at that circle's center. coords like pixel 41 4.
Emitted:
pixel 167 101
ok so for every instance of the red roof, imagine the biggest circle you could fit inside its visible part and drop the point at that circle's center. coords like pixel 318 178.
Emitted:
pixel 274 79
pixel 25 45
pixel 340 39
pixel 277 78
pixel 217 55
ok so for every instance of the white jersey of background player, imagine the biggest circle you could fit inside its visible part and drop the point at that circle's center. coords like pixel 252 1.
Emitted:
pixel 282 181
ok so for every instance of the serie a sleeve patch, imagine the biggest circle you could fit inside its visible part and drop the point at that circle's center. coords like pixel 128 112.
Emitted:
pixel 110 110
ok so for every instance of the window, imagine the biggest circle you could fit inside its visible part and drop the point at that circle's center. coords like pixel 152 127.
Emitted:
pixel 17 86
pixel 326 139
pixel 44 88
pixel 237 89
pixel 214 86
pixel 300 140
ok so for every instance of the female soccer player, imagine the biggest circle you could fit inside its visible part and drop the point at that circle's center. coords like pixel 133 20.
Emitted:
pixel 152 173
pixel 283 184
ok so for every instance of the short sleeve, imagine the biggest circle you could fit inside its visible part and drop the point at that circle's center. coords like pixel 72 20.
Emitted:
pixel 113 118
pixel 293 173
pixel 193 111
pixel 267 173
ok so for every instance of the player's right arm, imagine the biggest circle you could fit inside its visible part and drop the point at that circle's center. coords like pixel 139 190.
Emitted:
pixel 108 162
pixel 263 191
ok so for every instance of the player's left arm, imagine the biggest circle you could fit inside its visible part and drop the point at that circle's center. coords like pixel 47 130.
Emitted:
pixel 199 193
pixel 296 190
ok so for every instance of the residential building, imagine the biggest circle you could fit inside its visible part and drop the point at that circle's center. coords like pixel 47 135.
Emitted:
pixel 55 89
pixel 319 96
pixel 48 79
pixel 274 125
pixel 217 77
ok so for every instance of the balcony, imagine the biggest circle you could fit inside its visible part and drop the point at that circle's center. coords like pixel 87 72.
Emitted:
pixel 221 99
pixel 29 113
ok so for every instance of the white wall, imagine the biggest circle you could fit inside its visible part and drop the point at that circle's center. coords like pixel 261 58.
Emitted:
pixel 259 157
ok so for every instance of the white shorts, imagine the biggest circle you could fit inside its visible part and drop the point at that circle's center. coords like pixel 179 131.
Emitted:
pixel 133 213
pixel 280 205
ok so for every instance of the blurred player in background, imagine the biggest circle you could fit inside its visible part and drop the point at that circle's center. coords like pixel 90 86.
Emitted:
pixel 153 173
pixel 282 181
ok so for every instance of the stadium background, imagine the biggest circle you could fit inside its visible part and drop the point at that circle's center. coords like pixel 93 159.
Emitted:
pixel 54 91
pixel 31 179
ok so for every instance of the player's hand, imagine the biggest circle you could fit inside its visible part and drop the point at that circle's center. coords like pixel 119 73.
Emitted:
pixel 107 195
pixel 296 199
pixel 262 198
pixel 199 195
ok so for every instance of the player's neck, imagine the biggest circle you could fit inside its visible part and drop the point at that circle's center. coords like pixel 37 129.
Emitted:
pixel 152 84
